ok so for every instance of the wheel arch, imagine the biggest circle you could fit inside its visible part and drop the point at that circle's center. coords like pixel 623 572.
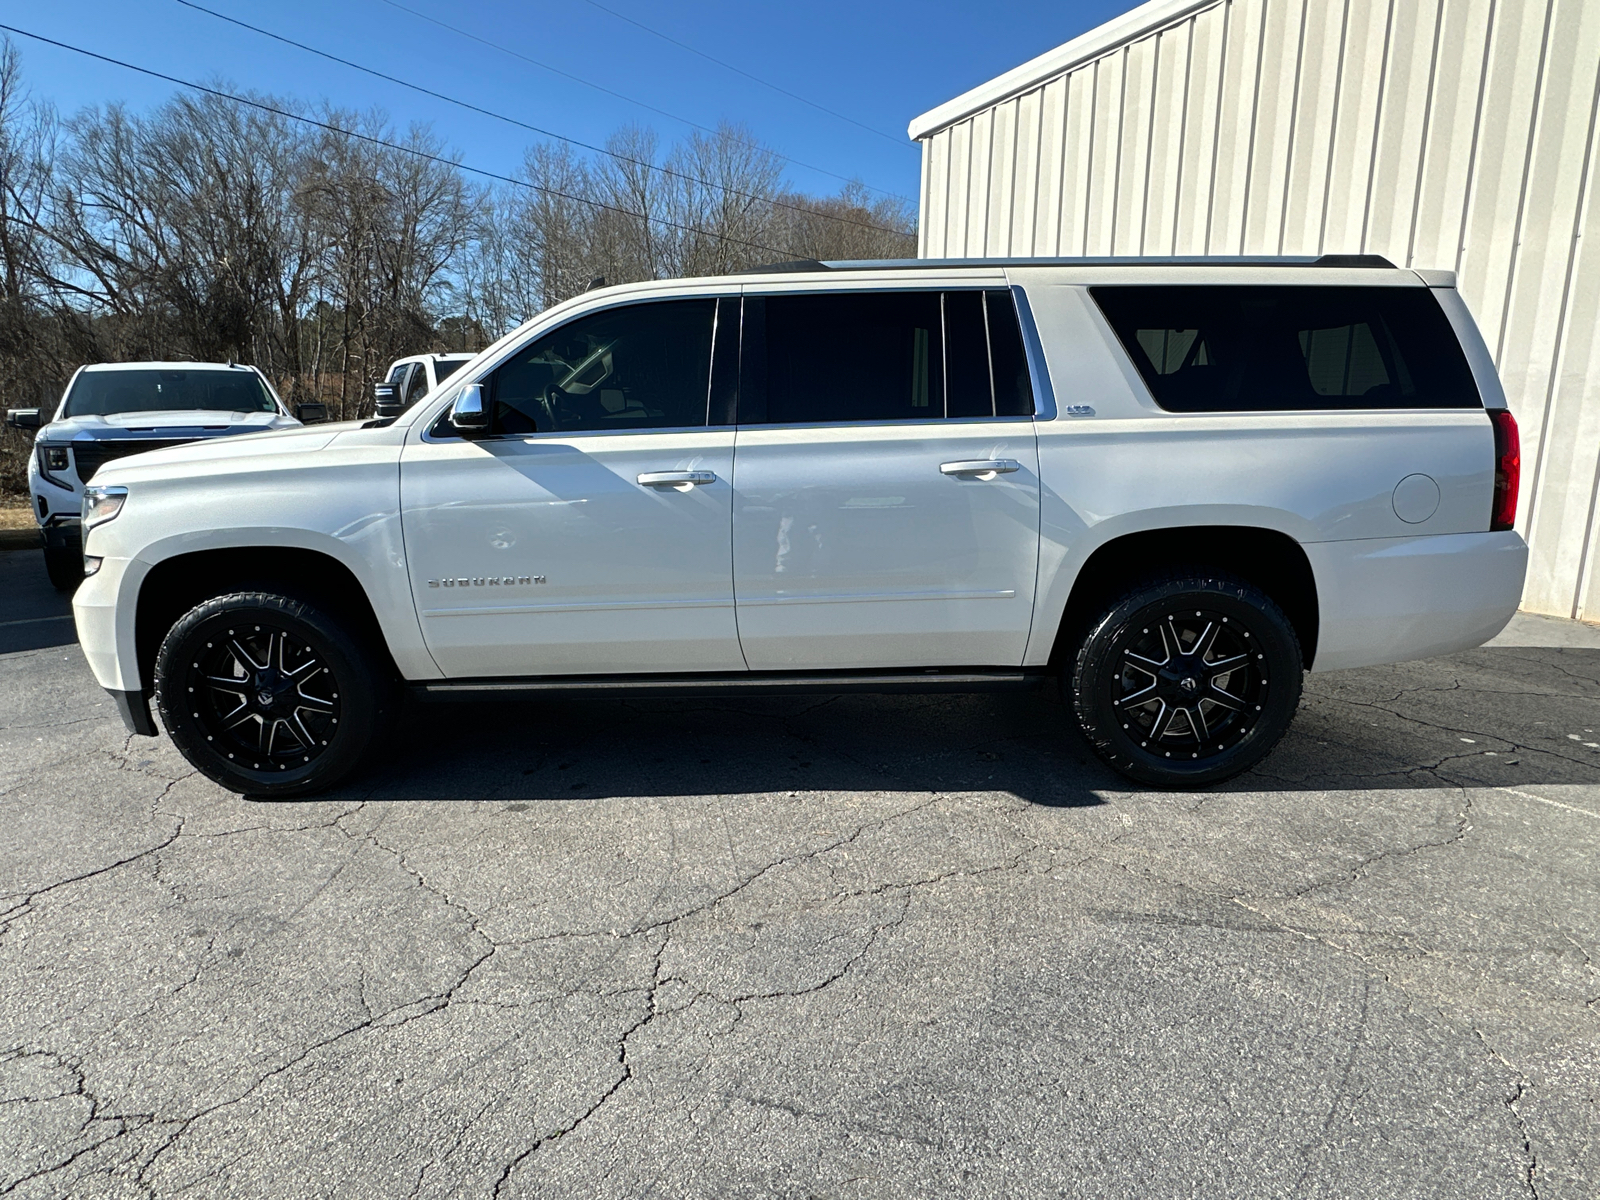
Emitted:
pixel 1268 558
pixel 176 584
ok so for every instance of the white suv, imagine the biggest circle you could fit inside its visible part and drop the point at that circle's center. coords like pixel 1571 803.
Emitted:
pixel 1170 486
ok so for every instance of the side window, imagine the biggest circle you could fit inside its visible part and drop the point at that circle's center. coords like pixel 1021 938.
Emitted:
pixel 881 356
pixel 1253 349
pixel 861 356
pixel 397 372
pixel 641 366
pixel 1013 388
pixel 417 385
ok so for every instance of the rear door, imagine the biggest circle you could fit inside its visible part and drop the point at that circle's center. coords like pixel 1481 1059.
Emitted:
pixel 886 507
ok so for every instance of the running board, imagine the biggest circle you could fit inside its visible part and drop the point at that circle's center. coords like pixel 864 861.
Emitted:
pixel 745 683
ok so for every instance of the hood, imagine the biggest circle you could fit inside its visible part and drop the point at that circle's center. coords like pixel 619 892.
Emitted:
pixel 225 453
pixel 177 423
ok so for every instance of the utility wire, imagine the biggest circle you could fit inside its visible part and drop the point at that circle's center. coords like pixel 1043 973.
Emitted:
pixel 534 128
pixel 628 99
pixel 901 142
pixel 377 141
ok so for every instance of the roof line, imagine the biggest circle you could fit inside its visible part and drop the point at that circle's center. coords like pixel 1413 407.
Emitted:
pixel 1148 18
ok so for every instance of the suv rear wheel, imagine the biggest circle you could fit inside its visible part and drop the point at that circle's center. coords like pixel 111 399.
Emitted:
pixel 1187 679
pixel 269 695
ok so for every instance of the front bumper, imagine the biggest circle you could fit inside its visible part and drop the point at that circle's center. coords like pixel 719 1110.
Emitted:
pixel 64 535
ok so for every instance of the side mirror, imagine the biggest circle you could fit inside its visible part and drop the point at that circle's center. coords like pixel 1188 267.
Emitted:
pixel 23 418
pixel 311 412
pixel 387 396
pixel 470 414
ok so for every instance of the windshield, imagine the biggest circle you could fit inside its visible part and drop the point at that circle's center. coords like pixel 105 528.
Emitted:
pixel 102 393
pixel 444 368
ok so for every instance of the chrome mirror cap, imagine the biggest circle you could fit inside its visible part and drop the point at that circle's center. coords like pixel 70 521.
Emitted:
pixel 470 412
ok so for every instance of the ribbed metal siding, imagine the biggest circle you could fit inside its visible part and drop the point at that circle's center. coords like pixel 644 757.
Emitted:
pixel 1456 134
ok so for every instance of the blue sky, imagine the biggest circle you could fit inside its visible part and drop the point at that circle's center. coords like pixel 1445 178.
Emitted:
pixel 880 63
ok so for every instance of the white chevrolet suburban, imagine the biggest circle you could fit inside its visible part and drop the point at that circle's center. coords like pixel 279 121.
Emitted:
pixel 1172 486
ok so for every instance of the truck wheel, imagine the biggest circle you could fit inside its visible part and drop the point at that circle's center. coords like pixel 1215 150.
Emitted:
pixel 1187 679
pixel 270 696
pixel 65 568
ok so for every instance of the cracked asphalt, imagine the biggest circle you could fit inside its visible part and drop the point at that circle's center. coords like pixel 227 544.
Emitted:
pixel 859 947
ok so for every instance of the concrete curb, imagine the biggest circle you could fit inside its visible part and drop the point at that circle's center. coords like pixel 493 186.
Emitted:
pixel 20 539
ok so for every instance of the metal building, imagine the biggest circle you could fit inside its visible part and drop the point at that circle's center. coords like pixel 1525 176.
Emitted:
pixel 1445 134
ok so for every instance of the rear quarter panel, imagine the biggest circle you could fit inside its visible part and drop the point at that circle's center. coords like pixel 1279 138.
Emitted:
pixel 1128 466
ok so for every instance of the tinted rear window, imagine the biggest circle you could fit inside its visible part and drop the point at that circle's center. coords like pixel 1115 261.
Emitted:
pixel 882 356
pixel 1259 349
pixel 102 393
pixel 444 368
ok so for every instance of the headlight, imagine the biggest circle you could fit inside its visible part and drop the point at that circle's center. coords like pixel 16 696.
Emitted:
pixel 53 458
pixel 101 504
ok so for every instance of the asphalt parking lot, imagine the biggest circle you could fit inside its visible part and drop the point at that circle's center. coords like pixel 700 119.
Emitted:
pixel 860 947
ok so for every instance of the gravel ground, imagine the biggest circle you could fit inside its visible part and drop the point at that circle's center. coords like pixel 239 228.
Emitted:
pixel 860 947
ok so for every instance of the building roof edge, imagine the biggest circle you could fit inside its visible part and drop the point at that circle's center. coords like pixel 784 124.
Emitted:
pixel 1130 26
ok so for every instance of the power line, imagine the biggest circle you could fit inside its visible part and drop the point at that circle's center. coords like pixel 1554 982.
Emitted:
pixel 377 141
pixel 620 96
pixel 901 142
pixel 534 128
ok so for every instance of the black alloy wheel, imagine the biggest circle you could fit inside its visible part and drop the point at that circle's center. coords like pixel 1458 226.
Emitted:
pixel 264 697
pixel 269 695
pixel 1187 680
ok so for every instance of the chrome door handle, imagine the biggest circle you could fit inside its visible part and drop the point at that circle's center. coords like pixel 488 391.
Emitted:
pixel 676 479
pixel 983 468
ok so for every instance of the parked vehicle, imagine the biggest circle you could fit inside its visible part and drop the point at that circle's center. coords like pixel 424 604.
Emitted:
pixel 110 410
pixel 1169 486
pixel 410 379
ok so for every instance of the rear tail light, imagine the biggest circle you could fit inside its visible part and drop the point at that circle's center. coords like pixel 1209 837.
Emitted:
pixel 1507 469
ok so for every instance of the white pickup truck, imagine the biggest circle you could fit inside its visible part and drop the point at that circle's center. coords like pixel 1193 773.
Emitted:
pixel 1169 486
pixel 110 410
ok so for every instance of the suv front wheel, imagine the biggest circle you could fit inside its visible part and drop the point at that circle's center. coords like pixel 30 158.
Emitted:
pixel 269 695
pixel 1187 679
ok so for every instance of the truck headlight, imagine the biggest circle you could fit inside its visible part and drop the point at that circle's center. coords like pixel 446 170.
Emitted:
pixel 101 504
pixel 55 458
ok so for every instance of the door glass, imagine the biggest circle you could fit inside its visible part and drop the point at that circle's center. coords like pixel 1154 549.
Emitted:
pixel 966 356
pixel 1013 388
pixel 417 385
pixel 642 366
pixel 864 356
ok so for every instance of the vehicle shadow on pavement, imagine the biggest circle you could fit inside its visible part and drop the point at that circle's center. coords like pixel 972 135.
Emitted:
pixel 1486 718
pixel 33 615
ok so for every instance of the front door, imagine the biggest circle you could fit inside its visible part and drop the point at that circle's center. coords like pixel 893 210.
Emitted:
pixel 589 532
pixel 886 482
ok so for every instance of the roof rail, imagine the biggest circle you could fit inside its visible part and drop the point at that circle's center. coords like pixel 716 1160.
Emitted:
pixel 1177 260
pixel 799 264
pixel 1353 260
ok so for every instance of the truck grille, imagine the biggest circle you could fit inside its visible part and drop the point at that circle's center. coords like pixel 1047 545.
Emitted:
pixel 89 457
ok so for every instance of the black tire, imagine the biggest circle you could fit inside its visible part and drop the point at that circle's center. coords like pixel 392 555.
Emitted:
pixel 1166 639
pixel 271 696
pixel 65 568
